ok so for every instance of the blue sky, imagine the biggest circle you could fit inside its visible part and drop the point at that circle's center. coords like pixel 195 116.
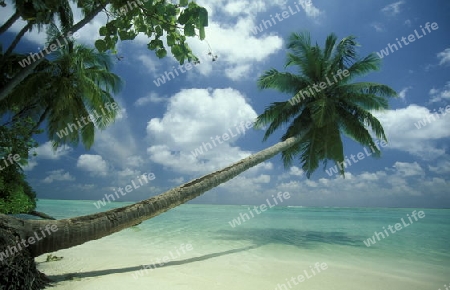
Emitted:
pixel 159 126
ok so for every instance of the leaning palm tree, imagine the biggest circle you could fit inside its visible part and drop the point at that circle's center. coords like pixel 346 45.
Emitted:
pixel 317 124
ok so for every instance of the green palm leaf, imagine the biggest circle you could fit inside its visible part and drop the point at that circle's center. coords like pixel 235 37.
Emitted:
pixel 75 84
pixel 318 119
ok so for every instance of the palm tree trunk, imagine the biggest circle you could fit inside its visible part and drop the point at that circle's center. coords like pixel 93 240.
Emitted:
pixel 9 87
pixel 76 231
pixel 17 38
pixel 9 22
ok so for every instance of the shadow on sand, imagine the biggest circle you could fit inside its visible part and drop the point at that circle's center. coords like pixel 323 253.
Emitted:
pixel 70 276
pixel 258 237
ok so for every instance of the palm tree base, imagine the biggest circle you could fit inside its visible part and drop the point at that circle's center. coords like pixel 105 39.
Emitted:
pixel 18 271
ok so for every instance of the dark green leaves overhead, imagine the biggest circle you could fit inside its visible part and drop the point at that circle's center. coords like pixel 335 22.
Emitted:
pixel 100 45
pixel 194 17
pixel 157 20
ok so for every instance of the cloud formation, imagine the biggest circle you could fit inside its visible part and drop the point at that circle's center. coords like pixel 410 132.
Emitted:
pixel 193 118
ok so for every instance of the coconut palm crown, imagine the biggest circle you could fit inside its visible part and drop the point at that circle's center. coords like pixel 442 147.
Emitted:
pixel 65 91
pixel 325 102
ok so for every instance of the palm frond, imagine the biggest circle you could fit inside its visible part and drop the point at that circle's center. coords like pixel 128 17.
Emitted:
pixel 311 152
pixel 329 46
pixel 354 125
pixel 65 16
pixel 366 101
pixel 322 112
pixel 300 126
pixel 362 67
pixel 369 88
pixel 282 82
pixel 276 114
pixel 341 107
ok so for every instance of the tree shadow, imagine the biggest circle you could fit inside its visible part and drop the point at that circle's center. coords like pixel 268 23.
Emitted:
pixel 305 239
pixel 90 274
pixel 291 237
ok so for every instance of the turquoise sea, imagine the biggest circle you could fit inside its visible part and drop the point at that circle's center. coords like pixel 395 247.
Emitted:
pixel 195 247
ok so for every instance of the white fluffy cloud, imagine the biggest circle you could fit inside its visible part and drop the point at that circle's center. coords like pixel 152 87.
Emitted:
pixel 379 27
pixel 93 164
pixel 409 169
pixel 127 172
pixel 294 170
pixel 401 128
pixel 46 151
pixel 444 57
pixel 151 64
pixel 393 9
pixel 402 180
pixel 437 95
pixel 403 92
pixel 236 47
pixel 442 167
pixel 58 175
pixel 310 9
pixel 193 121
pixel 151 98
pixel 234 41
pixel 118 145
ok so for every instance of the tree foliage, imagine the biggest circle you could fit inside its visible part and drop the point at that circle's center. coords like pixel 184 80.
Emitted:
pixel 126 19
pixel 324 101
pixel 155 19
pixel 60 90
pixel 16 196
pixel 80 77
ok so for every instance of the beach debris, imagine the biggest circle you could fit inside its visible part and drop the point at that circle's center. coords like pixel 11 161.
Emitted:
pixel 51 258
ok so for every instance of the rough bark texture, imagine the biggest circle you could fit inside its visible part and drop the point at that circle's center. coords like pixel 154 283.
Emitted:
pixel 71 232
pixel 18 270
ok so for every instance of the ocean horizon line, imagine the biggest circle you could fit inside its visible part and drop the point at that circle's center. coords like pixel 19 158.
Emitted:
pixel 244 205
